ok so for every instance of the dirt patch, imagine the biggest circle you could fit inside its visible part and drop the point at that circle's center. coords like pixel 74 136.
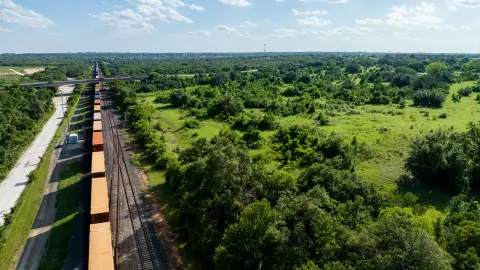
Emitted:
pixel 164 231
pixel 30 71
pixel 16 72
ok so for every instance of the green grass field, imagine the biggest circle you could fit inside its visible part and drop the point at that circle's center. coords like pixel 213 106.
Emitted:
pixel 56 250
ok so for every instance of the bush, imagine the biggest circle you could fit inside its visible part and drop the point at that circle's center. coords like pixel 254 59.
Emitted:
pixel 163 97
pixel 442 115
pixel 253 138
pixel 322 119
pixel 438 160
pixel 465 92
pixel 192 123
pixel 456 98
pixel 430 98
pixel 478 97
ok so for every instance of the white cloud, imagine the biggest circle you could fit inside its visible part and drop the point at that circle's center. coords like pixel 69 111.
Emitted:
pixel 369 21
pixel 146 12
pixel 224 28
pixel 403 36
pixel 4 30
pixel 195 7
pixel 328 1
pixel 127 21
pixel 286 33
pixel 238 3
pixel 422 15
pixel 343 31
pixel 251 24
pixel 454 4
pixel 314 21
pixel 201 33
pixel 464 27
pixel 309 12
pixel 13 13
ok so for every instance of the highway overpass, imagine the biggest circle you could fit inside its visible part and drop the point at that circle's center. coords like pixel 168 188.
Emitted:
pixel 86 81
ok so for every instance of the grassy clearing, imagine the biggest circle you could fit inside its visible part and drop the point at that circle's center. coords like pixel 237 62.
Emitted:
pixel 173 119
pixel 56 251
pixel 24 213
pixel 389 135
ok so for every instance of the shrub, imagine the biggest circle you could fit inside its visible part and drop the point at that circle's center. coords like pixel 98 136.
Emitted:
pixel 430 98
pixel 322 119
pixel 438 160
pixel 442 115
pixel 465 92
pixel 163 97
pixel 456 98
pixel 192 123
pixel 478 97
pixel 253 138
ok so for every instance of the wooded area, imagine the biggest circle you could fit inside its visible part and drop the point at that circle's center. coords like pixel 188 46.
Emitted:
pixel 262 194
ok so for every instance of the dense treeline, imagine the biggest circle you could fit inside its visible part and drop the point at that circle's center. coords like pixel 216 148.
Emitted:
pixel 74 70
pixel 296 201
pixel 23 110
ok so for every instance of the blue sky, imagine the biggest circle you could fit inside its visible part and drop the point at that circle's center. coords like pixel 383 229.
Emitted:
pixel 239 25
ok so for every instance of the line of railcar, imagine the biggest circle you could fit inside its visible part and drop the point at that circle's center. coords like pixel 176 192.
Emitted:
pixel 100 255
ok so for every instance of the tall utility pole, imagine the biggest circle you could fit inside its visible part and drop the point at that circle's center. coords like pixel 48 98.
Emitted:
pixel 265 48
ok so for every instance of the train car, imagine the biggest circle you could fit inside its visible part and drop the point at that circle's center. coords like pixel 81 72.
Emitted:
pixel 98 164
pixel 96 108
pixel 97 126
pixel 97 116
pixel 97 141
pixel 99 210
pixel 97 96
pixel 97 102
pixel 100 253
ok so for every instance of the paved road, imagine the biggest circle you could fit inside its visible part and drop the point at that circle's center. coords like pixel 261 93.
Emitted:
pixel 11 188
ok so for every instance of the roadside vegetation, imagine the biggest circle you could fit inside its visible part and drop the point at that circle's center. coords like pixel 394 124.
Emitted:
pixel 312 161
pixel 14 233
pixel 63 229
pixel 23 112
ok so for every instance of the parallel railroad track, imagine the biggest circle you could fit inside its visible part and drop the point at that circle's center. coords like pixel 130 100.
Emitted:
pixel 122 186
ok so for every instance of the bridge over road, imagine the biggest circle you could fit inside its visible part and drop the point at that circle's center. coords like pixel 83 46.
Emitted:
pixel 85 81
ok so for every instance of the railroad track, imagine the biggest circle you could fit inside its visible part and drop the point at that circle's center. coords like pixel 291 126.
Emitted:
pixel 122 186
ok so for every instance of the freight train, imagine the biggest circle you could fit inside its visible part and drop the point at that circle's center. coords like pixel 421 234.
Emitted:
pixel 100 254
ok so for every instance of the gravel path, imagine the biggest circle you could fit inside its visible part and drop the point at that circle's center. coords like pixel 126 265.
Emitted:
pixel 11 188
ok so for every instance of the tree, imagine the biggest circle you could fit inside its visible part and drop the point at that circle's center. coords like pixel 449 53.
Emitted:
pixel 400 244
pixel 219 79
pixel 290 77
pixel 254 242
pixel 429 98
pixel 353 68
pixel 439 160
pixel 440 72
pixel 253 138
